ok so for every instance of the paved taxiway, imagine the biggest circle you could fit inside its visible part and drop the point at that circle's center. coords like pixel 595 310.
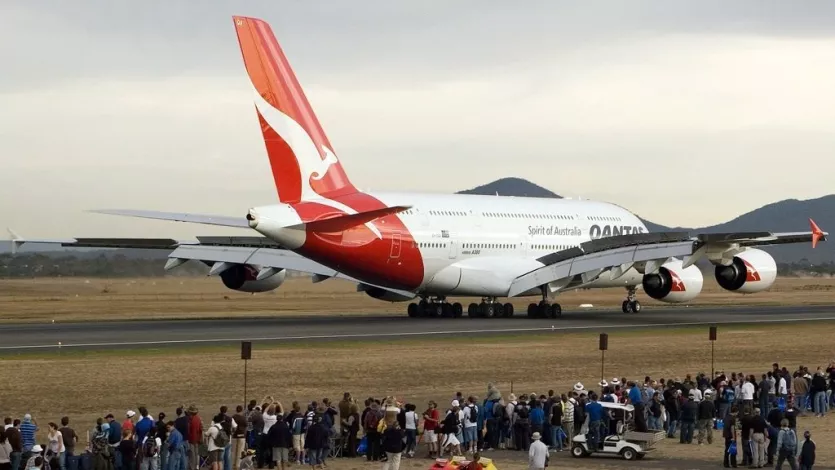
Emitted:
pixel 158 333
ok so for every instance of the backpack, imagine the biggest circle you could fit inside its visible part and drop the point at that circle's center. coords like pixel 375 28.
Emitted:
pixel 789 441
pixel 729 395
pixel 149 448
pixel 222 438
pixel 501 413
pixel 372 420
pixel 473 414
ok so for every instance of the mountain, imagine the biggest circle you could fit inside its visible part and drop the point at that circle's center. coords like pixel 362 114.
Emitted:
pixel 511 187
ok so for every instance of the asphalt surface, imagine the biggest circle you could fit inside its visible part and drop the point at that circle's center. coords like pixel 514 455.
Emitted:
pixel 160 333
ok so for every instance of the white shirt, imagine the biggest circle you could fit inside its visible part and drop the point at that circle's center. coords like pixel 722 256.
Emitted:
pixel 537 455
pixel 269 421
pixel 411 420
pixel 697 394
pixel 211 434
pixel 782 386
pixel 747 391
pixel 470 421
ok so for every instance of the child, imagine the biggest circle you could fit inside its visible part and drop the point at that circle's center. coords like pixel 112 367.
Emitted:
pixel 246 460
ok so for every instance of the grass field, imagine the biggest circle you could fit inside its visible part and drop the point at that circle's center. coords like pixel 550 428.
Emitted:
pixel 78 299
pixel 85 385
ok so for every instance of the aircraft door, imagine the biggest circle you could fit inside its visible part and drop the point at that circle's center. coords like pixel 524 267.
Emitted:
pixel 395 245
pixel 453 249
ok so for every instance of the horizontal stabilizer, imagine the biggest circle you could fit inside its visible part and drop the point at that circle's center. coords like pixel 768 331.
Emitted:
pixel 341 223
pixel 219 220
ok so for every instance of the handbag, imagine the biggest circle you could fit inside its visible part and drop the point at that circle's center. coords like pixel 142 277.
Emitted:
pixel 732 448
pixel 363 446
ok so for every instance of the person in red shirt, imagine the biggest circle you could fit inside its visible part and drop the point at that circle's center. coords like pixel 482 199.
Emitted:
pixel 128 423
pixel 474 464
pixel 195 436
pixel 431 417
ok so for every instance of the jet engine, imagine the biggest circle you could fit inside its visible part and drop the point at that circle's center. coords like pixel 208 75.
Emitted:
pixel 751 271
pixel 242 278
pixel 383 294
pixel 672 283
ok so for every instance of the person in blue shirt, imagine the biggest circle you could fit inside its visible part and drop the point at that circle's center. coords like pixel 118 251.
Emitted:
pixel 175 448
pixel 144 425
pixel 637 400
pixel 28 428
pixel 594 412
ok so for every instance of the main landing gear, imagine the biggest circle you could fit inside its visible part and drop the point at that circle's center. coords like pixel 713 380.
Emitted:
pixel 544 309
pixel 631 304
pixel 437 307
pixel 489 308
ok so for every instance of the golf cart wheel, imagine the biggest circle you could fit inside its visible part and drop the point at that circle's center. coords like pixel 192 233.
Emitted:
pixel 629 454
pixel 578 451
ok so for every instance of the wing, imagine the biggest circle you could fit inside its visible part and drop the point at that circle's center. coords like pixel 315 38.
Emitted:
pixel 219 220
pixel 581 265
pixel 211 250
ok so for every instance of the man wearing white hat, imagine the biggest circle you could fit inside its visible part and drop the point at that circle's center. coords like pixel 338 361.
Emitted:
pixel 538 453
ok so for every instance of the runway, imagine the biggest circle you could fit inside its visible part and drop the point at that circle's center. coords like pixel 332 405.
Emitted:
pixel 161 333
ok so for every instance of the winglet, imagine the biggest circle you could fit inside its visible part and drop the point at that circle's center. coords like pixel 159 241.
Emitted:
pixel 16 240
pixel 817 233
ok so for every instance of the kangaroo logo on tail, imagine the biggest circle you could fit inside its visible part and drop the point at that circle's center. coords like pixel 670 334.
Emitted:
pixel 321 169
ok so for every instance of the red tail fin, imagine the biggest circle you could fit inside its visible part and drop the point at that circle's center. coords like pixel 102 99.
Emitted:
pixel 303 163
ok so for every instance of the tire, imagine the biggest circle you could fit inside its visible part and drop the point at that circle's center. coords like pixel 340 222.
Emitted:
pixel 457 310
pixel 472 310
pixel 636 306
pixel 508 310
pixel 446 310
pixel 556 311
pixel 532 310
pixel 578 451
pixel 413 310
pixel 628 454
pixel 624 307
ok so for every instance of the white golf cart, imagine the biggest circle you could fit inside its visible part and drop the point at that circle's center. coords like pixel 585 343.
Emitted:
pixel 621 438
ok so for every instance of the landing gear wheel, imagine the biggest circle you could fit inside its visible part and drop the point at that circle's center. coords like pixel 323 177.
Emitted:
pixel 457 310
pixel 508 310
pixel 472 310
pixel 625 307
pixel 555 311
pixel 629 454
pixel 578 451
pixel 423 308
pixel 488 309
pixel 543 310
pixel 532 310
pixel 498 310
pixel 636 306
pixel 436 310
pixel 446 310
pixel 413 310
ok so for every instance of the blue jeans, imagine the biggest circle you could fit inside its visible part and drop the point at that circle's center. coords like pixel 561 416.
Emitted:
pixel 117 458
pixel 62 458
pixel 594 435
pixel 227 457
pixel 175 460
pixel 671 427
pixel 15 458
pixel 316 456
pixel 411 440
pixel 556 438
pixel 654 423
pixel 820 403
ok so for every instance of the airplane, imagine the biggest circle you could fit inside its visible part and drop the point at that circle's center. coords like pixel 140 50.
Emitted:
pixel 427 248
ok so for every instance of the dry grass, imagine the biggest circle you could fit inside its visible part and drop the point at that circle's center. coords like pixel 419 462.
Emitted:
pixel 78 299
pixel 85 385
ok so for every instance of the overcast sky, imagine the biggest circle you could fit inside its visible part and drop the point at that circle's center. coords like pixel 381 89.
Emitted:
pixel 687 113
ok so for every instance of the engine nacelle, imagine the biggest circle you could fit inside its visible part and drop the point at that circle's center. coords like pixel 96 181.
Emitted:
pixel 751 271
pixel 674 284
pixel 241 277
pixel 383 294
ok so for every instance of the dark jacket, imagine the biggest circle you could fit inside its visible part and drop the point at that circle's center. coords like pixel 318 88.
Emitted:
pixel 689 411
pixel 317 437
pixel 240 431
pixel 393 439
pixel 707 410
pixel 181 424
pixel 807 453
pixel 818 384
pixel 13 436
pixel 279 435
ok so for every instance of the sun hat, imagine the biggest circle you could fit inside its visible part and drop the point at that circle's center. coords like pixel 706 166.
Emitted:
pixel 536 436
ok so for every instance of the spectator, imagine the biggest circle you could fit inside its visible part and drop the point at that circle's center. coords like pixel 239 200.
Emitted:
pixel 412 423
pixel 215 443
pixel 5 452
pixel 352 428
pixel 450 428
pixel 393 444
pixel 28 428
pixel 729 432
pixel 806 457
pixel 144 425
pixel 238 436
pixel 786 446
pixel 594 410
pixel 298 426
pixel 181 424
pixel 818 393
pixel 70 440
pixel 538 453
pixel 149 454
pixel 747 390
pixel 757 438
pixel 316 443
pixel 280 440
pixel 127 449
pixel 470 424
pixel 56 444
pixel 175 447
pixel 128 422
pixel 161 433
pixel 765 393
pixel 689 415
pixel 431 422
pixel 195 437
pixel 13 436
pixel 707 410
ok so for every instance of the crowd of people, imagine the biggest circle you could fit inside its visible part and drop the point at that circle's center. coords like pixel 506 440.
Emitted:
pixel 756 418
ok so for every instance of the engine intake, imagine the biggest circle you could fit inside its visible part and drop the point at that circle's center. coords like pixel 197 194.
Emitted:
pixel 674 284
pixel 241 278
pixel 751 271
